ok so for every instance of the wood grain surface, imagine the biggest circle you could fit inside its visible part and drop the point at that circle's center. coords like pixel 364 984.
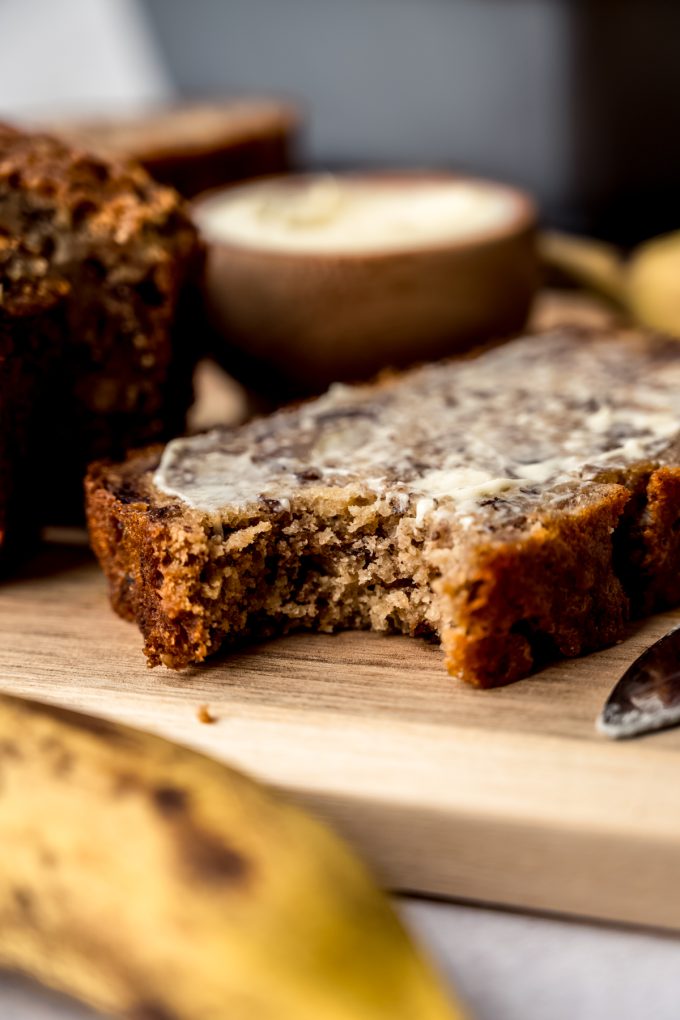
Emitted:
pixel 506 796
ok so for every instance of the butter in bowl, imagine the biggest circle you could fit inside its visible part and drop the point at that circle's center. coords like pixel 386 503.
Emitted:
pixel 316 278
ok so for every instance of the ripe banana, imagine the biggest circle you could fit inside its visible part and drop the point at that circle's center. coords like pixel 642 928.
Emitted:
pixel 653 283
pixel 156 884
pixel 645 286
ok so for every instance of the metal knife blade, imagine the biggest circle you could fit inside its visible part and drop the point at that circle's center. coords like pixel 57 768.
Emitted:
pixel 647 697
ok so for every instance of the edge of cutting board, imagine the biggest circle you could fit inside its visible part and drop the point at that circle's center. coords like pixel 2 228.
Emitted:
pixel 506 797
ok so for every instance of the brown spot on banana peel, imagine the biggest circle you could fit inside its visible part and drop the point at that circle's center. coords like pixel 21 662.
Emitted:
pixel 24 901
pixel 209 859
pixel 124 783
pixel 150 1011
pixel 10 749
pixel 62 761
pixel 203 854
pixel 47 858
pixel 170 800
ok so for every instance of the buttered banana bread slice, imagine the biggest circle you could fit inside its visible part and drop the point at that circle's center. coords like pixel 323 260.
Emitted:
pixel 518 505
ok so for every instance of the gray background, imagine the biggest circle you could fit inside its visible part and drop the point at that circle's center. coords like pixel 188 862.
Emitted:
pixel 577 100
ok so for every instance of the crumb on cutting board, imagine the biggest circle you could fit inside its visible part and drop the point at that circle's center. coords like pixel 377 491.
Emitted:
pixel 204 715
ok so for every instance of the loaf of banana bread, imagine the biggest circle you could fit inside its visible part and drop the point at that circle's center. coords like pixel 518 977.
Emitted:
pixel 98 265
pixel 518 505
pixel 196 146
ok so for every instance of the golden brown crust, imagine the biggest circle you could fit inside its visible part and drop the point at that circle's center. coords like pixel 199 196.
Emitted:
pixel 568 588
pixel 118 253
pixel 64 177
pixel 552 593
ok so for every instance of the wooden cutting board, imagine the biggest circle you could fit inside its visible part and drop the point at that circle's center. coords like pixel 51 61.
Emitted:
pixel 505 796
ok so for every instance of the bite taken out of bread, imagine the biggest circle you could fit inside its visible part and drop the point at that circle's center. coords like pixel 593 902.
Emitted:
pixel 516 505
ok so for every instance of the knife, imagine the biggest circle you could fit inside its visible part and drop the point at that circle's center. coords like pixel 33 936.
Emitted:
pixel 647 697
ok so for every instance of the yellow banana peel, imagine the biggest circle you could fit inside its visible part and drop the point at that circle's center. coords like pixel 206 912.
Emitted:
pixel 653 283
pixel 152 882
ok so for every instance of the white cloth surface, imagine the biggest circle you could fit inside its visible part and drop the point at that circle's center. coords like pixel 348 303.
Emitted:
pixel 505 966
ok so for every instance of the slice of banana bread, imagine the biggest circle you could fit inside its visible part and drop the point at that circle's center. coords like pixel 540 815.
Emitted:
pixel 518 505
pixel 120 252
pixel 196 146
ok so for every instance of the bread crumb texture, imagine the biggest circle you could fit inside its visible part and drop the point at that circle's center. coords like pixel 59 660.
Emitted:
pixel 509 505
